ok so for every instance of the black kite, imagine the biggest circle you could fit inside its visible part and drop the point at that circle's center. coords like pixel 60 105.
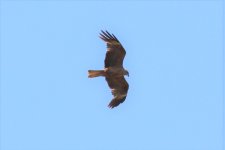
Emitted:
pixel 114 71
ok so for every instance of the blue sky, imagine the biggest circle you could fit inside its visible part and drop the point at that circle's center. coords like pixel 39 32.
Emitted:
pixel 174 57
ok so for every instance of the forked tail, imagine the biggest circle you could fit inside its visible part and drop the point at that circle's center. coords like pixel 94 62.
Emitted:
pixel 95 73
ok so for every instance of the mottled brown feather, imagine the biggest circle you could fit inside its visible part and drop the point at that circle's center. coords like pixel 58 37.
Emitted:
pixel 119 88
pixel 115 51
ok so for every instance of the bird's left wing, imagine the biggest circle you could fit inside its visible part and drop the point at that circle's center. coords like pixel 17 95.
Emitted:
pixel 119 88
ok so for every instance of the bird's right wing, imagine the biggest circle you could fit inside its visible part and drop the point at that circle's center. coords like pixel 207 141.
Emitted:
pixel 115 51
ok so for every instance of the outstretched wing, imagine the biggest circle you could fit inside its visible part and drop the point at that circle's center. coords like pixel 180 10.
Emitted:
pixel 119 88
pixel 115 51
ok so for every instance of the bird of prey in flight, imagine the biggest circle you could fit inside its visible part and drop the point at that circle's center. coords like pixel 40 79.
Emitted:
pixel 113 71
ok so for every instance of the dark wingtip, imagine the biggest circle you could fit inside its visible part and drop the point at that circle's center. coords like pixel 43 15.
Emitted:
pixel 103 32
pixel 116 102
pixel 107 35
pixel 111 106
pixel 115 37
pixel 103 37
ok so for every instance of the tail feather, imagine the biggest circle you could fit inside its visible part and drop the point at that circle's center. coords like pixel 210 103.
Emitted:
pixel 95 73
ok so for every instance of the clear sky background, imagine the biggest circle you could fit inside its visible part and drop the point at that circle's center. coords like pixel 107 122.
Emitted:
pixel 174 57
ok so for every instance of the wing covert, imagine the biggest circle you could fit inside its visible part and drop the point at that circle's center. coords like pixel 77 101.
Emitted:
pixel 119 88
pixel 115 51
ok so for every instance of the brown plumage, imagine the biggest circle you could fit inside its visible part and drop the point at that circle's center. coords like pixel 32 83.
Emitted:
pixel 114 71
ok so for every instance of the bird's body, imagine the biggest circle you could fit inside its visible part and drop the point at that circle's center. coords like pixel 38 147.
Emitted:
pixel 107 72
pixel 114 71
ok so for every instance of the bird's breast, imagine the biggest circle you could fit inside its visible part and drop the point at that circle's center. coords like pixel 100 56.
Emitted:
pixel 114 71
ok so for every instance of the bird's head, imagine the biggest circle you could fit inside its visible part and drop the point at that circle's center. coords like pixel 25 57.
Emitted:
pixel 126 73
